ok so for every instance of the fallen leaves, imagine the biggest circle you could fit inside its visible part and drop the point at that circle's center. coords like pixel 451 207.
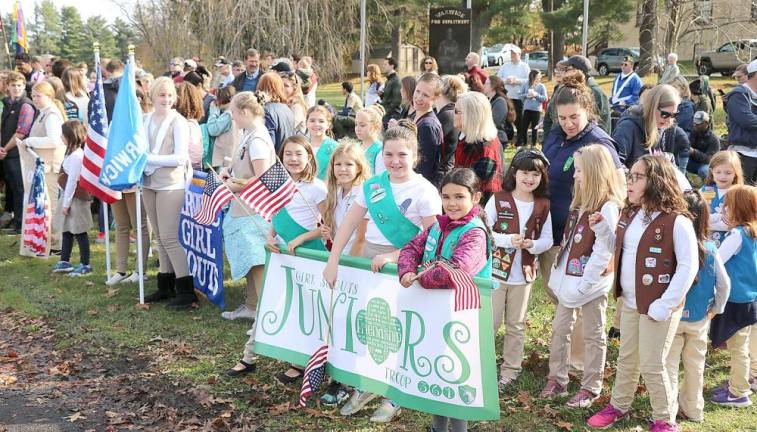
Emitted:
pixel 144 307
pixel 7 380
pixel 525 399
pixel 278 409
pixel 76 416
pixel 568 426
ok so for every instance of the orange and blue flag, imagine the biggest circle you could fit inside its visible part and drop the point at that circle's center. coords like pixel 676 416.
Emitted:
pixel 19 35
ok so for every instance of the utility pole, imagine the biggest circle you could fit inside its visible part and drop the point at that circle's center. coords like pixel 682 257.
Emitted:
pixel 585 33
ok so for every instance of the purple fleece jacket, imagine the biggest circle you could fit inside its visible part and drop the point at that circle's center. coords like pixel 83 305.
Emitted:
pixel 469 255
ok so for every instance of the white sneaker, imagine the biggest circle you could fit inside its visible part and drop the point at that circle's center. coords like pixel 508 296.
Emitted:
pixel 385 412
pixel 116 278
pixel 242 312
pixel 357 401
pixel 133 278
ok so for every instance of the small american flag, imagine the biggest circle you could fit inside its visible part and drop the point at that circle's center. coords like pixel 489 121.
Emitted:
pixel 270 192
pixel 466 291
pixel 314 373
pixel 37 217
pixel 215 195
pixel 97 143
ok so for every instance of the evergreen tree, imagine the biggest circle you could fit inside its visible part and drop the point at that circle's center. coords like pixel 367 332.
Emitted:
pixel 45 31
pixel 73 37
pixel 99 31
pixel 124 35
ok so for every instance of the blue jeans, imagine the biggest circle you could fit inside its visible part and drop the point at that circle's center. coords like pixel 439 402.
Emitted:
pixel 698 168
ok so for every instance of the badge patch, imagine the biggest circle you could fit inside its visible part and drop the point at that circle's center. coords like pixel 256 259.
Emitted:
pixel 377 195
pixel 663 278
pixel 574 266
pixel 650 262
pixel 656 250
pixel 647 279
pixel 577 238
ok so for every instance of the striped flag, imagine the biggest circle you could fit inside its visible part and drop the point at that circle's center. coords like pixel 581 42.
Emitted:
pixel 270 192
pixel 314 373
pixel 37 217
pixel 19 31
pixel 215 195
pixel 466 291
pixel 97 142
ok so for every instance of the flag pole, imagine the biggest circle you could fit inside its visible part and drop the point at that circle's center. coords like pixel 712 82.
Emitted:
pixel 138 198
pixel 103 204
pixel 6 43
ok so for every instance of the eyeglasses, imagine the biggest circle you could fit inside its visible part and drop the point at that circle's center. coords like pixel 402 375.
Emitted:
pixel 667 114
pixel 428 62
pixel 634 177
pixel 175 64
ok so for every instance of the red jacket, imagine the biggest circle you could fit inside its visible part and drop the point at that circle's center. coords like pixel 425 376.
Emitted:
pixel 485 159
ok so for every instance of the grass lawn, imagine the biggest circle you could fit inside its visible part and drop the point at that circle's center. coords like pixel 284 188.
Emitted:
pixel 87 315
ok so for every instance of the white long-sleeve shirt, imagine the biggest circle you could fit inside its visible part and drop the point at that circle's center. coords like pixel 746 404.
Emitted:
pixel 541 245
pixel 180 153
pixel 53 134
pixel 686 252
pixel 72 166
pixel 730 246
pixel 574 291
pixel 518 71
pixel 722 284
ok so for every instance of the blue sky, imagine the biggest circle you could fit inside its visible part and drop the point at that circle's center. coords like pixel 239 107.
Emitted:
pixel 87 8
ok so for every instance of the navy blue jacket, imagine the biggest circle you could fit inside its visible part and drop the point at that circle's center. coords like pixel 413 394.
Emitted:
pixel 559 151
pixel 742 118
pixel 279 120
pixel 630 136
pixel 685 117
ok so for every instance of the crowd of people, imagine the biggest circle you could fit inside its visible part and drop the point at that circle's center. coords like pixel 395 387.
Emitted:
pixel 603 206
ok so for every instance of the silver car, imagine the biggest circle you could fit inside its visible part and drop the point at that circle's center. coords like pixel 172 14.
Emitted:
pixel 537 60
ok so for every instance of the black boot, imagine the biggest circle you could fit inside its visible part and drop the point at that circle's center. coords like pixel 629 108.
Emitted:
pixel 185 294
pixel 166 282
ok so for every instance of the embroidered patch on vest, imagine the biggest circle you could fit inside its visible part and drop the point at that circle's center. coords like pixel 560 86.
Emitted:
pixel 647 279
pixel 650 262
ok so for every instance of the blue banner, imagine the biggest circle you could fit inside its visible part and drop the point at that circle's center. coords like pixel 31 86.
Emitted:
pixel 203 243
pixel 126 155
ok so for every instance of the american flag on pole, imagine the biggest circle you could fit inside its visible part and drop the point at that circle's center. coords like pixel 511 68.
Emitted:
pixel 37 215
pixel 314 373
pixel 466 291
pixel 215 195
pixel 269 192
pixel 97 142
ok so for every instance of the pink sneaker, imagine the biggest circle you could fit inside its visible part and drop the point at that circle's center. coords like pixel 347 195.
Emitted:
pixel 605 418
pixel 663 426
pixel 582 399
pixel 552 390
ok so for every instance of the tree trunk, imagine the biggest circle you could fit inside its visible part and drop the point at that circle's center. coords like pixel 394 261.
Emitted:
pixel 673 25
pixel 480 22
pixel 647 32
pixel 397 43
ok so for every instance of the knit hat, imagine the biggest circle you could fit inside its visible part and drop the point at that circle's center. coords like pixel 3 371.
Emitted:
pixel 579 62
pixel 695 87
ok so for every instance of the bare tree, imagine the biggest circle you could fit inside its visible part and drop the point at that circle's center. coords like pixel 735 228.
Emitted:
pixel 647 33
pixel 323 29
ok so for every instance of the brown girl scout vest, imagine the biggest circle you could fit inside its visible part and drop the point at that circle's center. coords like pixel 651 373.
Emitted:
pixel 655 257
pixel 508 223
pixel 578 241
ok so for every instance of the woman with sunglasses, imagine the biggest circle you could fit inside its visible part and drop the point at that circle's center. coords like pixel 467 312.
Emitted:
pixel 574 103
pixel 428 65
pixel 640 129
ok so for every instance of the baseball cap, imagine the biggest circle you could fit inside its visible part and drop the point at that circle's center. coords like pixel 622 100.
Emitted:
pixel 752 67
pixel 190 63
pixel 579 62
pixel 701 117
pixel 281 67
pixel 221 61
pixel 628 59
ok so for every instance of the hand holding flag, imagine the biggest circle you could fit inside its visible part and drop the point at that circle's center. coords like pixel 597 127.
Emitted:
pixel 215 195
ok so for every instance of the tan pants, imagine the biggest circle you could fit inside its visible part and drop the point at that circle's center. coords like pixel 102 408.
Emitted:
pixel 690 347
pixel 163 209
pixel 594 342
pixel 125 214
pixel 53 190
pixel 644 347
pixel 753 350
pixel 738 348
pixel 512 302
pixel 576 361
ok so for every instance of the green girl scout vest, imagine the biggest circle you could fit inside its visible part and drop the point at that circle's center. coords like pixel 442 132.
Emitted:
pixel 323 156
pixel 371 153
pixel 450 243
pixel 394 226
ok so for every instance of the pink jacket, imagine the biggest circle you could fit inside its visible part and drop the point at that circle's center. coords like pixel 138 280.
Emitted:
pixel 469 255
